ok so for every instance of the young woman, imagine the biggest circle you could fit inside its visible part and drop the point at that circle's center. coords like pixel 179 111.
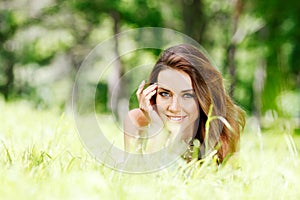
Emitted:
pixel 175 107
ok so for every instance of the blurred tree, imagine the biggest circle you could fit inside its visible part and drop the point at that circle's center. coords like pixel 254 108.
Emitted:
pixel 26 39
pixel 8 27
pixel 255 44
pixel 65 27
pixel 280 36
pixel 134 13
pixel 230 60
pixel 194 19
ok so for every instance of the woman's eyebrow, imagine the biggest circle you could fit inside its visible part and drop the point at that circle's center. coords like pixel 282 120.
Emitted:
pixel 161 88
pixel 188 90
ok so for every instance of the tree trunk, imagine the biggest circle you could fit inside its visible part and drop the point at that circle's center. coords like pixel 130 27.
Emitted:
pixel 231 49
pixel 258 85
pixel 8 86
pixel 193 19
pixel 115 75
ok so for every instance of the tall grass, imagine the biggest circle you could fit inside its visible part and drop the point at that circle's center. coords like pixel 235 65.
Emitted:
pixel 41 157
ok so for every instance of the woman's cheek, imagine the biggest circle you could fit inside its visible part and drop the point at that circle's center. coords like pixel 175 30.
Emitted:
pixel 161 103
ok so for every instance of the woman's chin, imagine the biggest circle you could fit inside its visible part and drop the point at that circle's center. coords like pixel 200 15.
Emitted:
pixel 172 126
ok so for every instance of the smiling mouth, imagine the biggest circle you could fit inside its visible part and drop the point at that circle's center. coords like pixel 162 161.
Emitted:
pixel 177 119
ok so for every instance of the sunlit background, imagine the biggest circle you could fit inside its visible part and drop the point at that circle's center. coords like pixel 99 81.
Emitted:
pixel 254 44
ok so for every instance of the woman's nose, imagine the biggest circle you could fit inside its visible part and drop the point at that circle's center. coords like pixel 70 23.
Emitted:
pixel 175 105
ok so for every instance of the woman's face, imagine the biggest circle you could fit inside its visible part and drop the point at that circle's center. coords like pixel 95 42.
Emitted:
pixel 176 100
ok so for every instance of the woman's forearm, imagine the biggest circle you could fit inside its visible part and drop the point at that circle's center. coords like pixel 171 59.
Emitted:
pixel 135 131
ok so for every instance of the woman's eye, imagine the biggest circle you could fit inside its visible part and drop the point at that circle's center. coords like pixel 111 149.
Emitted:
pixel 164 94
pixel 188 95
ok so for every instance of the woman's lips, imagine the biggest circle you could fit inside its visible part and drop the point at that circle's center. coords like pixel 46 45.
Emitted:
pixel 175 118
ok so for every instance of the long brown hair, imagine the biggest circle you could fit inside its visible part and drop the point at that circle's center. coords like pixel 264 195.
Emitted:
pixel 208 85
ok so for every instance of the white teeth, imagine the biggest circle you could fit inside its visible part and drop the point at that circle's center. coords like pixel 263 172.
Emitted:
pixel 175 118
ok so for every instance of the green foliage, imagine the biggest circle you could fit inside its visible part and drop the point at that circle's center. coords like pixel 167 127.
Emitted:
pixel 133 101
pixel 280 36
pixel 267 39
pixel 133 12
pixel 8 24
pixel 101 98
pixel 45 47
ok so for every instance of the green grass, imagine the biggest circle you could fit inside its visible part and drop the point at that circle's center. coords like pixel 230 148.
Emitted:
pixel 41 157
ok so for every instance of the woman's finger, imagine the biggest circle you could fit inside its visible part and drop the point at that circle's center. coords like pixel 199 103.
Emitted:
pixel 147 94
pixel 150 95
pixel 141 87
pixel 149 89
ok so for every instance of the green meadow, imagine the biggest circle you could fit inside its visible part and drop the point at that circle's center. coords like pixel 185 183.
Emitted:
pixel 42 157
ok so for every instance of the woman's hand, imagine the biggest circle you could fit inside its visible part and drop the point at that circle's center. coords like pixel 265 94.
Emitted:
pixel 144 97
pixel 144 123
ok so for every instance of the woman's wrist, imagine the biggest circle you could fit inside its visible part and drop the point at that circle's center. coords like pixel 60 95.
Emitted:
pixel 139 117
